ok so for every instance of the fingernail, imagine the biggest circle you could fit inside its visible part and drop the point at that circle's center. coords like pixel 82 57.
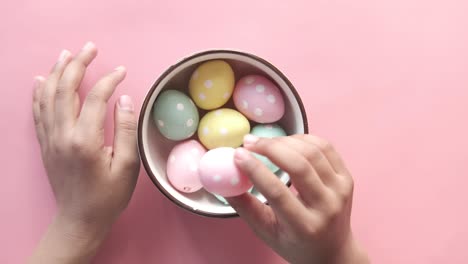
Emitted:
pixel 241 154
pixel 64 55
pixel 250 140
pixel 125 103
pixel 89 45
pixel 37 81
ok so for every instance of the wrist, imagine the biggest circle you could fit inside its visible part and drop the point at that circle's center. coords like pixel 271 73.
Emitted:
pixel 69 241
pixel 350 253
pixel 85 234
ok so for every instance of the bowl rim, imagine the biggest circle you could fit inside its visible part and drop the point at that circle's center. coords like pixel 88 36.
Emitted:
pixel 143 156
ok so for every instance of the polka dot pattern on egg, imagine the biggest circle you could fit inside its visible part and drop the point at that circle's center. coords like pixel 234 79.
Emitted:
pixel 259 99
pixel 219 174
pixel 212 85
pixel 175 115
pixel 189 166
pixel 182 166
pixel 223 128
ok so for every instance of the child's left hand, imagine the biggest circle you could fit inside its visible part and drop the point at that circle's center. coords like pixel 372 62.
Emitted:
pixel 92 183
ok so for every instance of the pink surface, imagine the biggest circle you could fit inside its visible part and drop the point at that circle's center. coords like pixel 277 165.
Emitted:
pixel 386 81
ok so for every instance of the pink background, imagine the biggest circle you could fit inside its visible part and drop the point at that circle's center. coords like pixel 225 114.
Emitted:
pixel 386 81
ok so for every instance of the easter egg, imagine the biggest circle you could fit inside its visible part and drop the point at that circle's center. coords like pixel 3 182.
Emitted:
pixel 211 84
pixel 259 99
pixel 267 131
pixel 182 166
pixel 219 174
pixel 176 115
pixel 223 128
pixel 221 199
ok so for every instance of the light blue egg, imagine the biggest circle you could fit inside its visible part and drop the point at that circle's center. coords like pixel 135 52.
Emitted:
pixel 267 131
pixel 223 200
pixel 175 115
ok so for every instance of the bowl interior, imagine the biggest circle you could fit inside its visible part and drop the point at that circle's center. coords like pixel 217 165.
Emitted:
pixel 155 149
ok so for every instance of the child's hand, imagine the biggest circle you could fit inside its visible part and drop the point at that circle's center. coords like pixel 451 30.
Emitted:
pixel 314 226
pixel 92 183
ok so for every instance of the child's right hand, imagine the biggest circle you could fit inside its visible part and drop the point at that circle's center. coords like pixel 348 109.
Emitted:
pixel 314 226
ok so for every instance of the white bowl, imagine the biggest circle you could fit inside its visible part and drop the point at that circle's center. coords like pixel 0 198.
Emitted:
pixel 154 148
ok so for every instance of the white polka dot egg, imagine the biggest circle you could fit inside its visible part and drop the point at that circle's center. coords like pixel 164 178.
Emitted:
pixel 259 99
pixel 219 174
pixel 175 115
pixel 223 128
pixel 211 84
pixel 182 166
pixel 267 131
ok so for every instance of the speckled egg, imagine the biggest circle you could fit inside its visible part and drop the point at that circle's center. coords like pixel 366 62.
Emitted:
pixel 211 84
pixel 223 128
pixel 176 115
pixel 259 99
pixel 182 166
pixel 219 174
pixel 267 131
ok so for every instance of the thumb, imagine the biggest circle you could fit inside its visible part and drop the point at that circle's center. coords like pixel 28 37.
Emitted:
pixel 257 215
pixel 126 157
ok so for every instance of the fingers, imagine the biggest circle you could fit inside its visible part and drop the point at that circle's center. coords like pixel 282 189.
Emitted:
pixel 38 86
pixel 301 172
pixel 46 104
pixel 283 202
pixel 94 108
pixel 328 150
pixel 66 96
pixel 258 216
pixel 126 157
pixel 316 158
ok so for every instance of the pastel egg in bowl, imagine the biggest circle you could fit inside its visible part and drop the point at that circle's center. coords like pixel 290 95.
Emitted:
pixel 155 148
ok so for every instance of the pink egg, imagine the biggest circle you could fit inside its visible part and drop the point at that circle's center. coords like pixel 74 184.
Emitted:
pixel 259 99
pixel 219 174
pixel 182 166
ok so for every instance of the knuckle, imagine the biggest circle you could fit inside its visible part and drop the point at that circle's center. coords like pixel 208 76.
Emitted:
pixel 345 188
pixel 263 143
pixel 313 153
pixel 314 227
pixel 93 97
pixel 276 194
pixel 325 145
pixel 43 105
pixel 128 126
pixel 62 90
pixel 302 167
pixel 79 146
pixel 36 118
pixel 335 208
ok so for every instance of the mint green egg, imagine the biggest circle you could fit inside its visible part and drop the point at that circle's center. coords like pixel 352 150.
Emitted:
pixel 267 131
pixel 221 199
pixel 175 115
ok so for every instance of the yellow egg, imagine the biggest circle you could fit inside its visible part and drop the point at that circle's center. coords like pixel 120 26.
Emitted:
pixel 211 84
pixel 223 128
